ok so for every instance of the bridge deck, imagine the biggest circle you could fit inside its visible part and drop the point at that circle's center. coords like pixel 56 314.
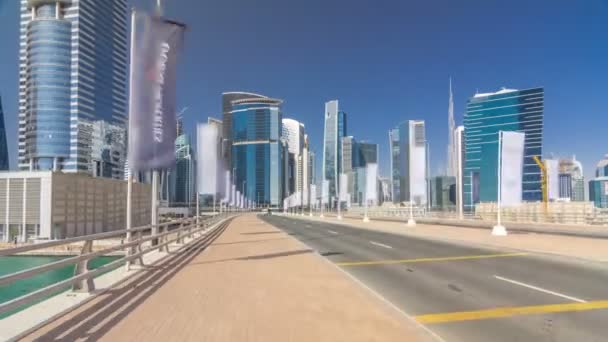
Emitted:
pixel 254 283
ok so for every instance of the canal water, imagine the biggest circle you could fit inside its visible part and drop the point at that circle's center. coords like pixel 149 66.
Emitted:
pixel 12 264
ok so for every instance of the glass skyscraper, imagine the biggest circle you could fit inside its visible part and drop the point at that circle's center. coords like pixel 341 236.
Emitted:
pixel 335 130
pixel 257 153
pixel 4 165
pixel 393 140
pixel 487 114
pixel 73 86
pixel 182 175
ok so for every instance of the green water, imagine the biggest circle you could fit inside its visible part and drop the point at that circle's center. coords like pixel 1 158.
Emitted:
pixel 11 264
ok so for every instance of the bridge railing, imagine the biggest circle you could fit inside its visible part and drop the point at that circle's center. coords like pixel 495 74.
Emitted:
pixel 136 242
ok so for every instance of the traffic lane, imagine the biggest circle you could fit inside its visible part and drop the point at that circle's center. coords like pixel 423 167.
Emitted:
pixel 461 285
pixel 487 292
pixel 564 275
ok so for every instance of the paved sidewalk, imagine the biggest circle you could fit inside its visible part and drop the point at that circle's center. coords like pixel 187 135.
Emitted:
pixel 570 246
pixel 254 283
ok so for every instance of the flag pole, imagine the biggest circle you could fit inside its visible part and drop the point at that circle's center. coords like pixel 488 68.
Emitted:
pixel 129 217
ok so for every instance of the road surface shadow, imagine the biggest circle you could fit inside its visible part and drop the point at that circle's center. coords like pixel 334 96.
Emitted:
pixel 276 255
pixel 260 233
pixel 93 322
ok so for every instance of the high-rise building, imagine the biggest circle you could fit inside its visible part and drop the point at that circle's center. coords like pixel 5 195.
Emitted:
pixel 486 116
pixel 440 188
pixel 602 168
pixel 335 130
pixel 257 149
pixel 409 162
pixel 571 179
pixel 367 153
pixel 182 178
pixel 4 164
pixel 293 133
pixel 395 151
pixel 598 187
pixel 73 86
pixel 349 154
pixel 312 167
pixel 451 170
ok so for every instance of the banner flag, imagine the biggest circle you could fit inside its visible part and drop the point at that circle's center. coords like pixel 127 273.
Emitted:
pixel 343 187
pixel 325 192
pixel 313 195
pixel 371 178
pixel 152 120
pixel 512 167
pixel 207 165
pixel 227 191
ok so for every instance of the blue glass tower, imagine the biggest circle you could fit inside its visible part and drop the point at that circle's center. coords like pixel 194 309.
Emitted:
pixel 72 86
pixel 335 130
pixel 487 114
pixel 4 165
pixel 257 150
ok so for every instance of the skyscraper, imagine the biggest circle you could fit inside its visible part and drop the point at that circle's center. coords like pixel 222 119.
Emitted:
pixel 451 171
pixel 257 149
pixel 73 86
pixel 598 187
pixel 409 162
pixel 182 177
pixel 293 133
pixel 4 164
pixel 487 114
pixel 335 130
pixel 572 180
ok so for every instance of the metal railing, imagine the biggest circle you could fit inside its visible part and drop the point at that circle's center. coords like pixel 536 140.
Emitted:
pixel 136 242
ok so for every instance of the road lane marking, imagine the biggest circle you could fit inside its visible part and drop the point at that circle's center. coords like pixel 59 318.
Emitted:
pixel 509 312
pixel 333 232
pixel 411 261
pixel 380 244
pixel 540 289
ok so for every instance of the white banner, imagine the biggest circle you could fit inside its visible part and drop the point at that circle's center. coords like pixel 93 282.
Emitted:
pixel 227 190
pixel 325 192
pixel 207 165
pixel 313 195
pixel 233 196
pixel 552 166
pixel 343 187
pixel 371 178
pixel 512 167
pixel 238 199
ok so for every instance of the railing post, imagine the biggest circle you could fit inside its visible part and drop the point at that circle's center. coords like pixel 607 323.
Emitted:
pixel 179 233
pixel 85 285
pixel 139 260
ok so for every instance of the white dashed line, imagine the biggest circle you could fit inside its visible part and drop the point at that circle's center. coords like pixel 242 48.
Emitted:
pixel 380 244
pixel 332 232
pixel 540 289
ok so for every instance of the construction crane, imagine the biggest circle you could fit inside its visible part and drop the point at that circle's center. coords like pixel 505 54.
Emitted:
pixel 543 182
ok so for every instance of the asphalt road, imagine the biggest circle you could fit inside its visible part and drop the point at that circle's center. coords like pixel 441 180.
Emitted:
pixel 464 293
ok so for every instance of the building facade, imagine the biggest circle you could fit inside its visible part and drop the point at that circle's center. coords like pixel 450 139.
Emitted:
pixel 73 86
pixel 293 133
pixel 409 162
pixel 487 115
pixel 571 179
pixel 4 162
pixel 257 149
pixel 335 130
pixel 598 192
pixel 182 177
pixel 442 196
pixel 45 205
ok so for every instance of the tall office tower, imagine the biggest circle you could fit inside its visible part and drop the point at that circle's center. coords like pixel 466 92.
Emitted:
pixel 182 178
pixel 257 149
pixel 393 141
pixel 312 167
pixel 367 153
pixel 486 116
pixel 349 154
pixel 408 161
pixel 227 108
pixel 598 187
pixel 293 133
pixel 571 179
pixel 73 86
pixel 335 130
pixel 451 171
pixel 4 164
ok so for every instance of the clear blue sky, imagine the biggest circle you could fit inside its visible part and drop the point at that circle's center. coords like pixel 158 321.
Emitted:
pixel 386 61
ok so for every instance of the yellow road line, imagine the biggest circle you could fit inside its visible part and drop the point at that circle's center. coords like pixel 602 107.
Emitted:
pixel 509 312
pixel 411 261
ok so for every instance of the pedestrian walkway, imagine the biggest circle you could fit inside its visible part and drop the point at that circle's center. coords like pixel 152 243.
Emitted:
pixel 254 283
pixel 593 249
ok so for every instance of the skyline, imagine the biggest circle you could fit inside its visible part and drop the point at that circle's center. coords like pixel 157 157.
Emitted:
pixel 383 60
